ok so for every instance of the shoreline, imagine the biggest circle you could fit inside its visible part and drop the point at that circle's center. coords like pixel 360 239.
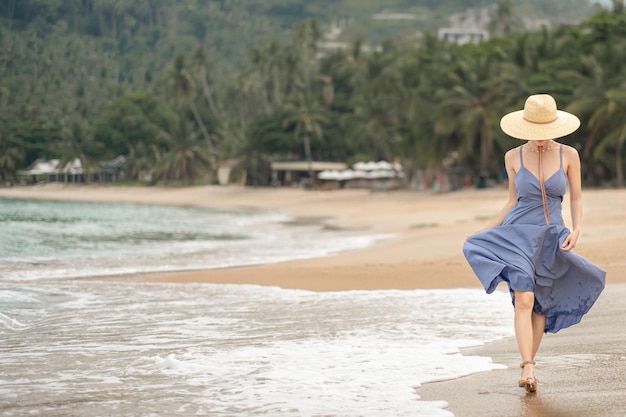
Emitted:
pixel 425 251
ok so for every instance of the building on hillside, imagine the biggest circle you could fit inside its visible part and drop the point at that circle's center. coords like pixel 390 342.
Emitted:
pixel 467 27
pixel 463 35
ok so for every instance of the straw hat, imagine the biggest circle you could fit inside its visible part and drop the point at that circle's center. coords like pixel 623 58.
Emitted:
pixel 540 120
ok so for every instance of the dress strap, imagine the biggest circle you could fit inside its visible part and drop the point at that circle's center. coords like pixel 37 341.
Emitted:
pixel 561 154
pixel 544 197
pixel 521 160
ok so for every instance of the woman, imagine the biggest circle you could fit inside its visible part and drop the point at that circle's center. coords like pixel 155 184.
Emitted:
pixel 527 244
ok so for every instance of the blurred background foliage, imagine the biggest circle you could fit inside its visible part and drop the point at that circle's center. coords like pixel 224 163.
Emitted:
pixel 181 86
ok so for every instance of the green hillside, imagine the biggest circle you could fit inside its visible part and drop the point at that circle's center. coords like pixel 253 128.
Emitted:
pixel 178 87
pixel 229 28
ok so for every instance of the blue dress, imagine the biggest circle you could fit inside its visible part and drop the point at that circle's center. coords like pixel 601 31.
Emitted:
pixel 526 253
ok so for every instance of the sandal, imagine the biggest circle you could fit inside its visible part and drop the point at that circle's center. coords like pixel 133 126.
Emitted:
pixel 530 383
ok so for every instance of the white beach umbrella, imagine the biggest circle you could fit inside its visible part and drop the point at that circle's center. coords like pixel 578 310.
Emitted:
pixel 329 175
pixel 381 174
pixel 384 166
pixel 357 174
pixel 346 174
pixel 365 166
pixel 360 166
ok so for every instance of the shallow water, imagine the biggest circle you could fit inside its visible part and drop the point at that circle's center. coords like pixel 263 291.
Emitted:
pixel 60 239
pixel 89 348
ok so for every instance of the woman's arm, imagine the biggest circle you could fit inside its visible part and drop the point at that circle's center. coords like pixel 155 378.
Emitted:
pixel 575 196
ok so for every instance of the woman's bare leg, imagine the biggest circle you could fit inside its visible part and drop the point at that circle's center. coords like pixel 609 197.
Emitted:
pixel 539 326
pixel 524 331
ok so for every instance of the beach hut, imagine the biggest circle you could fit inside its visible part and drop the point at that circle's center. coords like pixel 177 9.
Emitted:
pixel 73 171
pixel 296 173
pixel 41 168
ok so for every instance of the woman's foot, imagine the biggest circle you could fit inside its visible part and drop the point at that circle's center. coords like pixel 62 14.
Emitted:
pixel 528 379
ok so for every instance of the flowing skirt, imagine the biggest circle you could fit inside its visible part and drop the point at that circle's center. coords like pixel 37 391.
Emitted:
pixel 530 258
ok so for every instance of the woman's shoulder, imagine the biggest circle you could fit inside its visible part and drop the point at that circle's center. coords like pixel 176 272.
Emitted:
pixel 571 158
pixel 569 149
pixel 512 157
pixel 513 152
pixel 570 154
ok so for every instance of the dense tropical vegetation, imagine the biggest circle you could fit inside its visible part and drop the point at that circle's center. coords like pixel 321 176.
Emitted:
pixel 179 87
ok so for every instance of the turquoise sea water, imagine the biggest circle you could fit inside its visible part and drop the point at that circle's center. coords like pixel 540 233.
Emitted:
pixel 55 239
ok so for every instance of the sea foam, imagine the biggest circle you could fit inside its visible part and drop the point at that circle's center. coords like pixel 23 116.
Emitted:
pixel 98 348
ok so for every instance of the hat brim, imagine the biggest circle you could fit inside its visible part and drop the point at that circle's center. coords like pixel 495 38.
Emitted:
pixel 514 124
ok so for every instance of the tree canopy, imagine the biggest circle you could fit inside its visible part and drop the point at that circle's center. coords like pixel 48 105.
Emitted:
pixel 179 87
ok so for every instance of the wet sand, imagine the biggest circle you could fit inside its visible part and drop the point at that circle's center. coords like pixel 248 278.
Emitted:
pixel 581 372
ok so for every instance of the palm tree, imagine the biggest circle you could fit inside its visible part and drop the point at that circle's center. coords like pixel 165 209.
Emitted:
pixel 417 147
pixel 202 64
pixel 376 105
pixel 469 107
pixel 78 144
pixel 4 98
pixel 181 87
pixel 601 99
pixel 503 21
pixel 187 156
pixel 270 62
pixel 11 154
pixel 141 160
pixel 305 116
pixel 305 47
pixel 605 111
pixel 612 114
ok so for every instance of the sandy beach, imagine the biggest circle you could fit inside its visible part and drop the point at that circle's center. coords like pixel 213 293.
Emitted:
pixel 428 231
